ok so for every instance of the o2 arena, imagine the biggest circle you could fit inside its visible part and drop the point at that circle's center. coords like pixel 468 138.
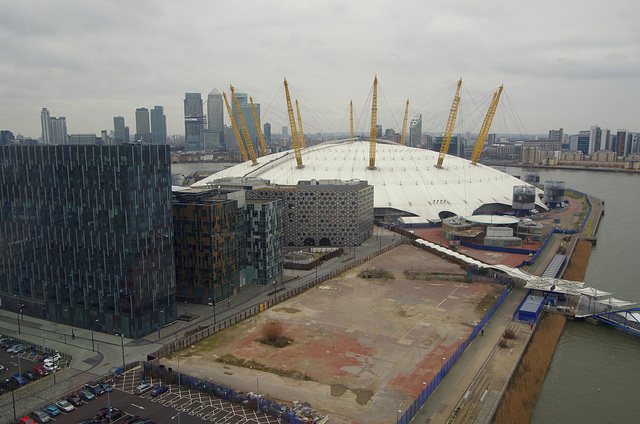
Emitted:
pixel 406 180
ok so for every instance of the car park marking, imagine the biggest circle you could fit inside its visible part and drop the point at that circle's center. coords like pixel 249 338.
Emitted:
pixel 138 406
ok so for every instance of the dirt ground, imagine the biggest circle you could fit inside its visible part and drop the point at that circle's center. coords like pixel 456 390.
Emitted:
pixel 366 346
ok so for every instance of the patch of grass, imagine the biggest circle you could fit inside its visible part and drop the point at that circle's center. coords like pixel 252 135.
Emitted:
pixel 427 276
pixel 573 195
pixel 488 300
pixel 378 274
pixel 520 398
pixel 233 360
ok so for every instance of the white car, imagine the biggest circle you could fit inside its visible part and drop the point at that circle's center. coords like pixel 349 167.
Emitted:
pixel 51 367
pixel 53 358
pixel 65 406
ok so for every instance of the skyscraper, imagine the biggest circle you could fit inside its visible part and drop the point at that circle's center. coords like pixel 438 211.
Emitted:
pixel 45 121
pixel 118 129
pixel 267 133
pixel 194 121
pixel 158 126
pixel 595 139
pixel 415 131
pixel 247 114
pixel 215 114
pixel 88 243
pixel 143 129
pixel 59 130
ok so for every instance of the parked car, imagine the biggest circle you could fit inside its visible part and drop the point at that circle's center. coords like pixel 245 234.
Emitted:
pixel 52 410
pixel 65 405
pixel 51 367
pixel 87 395
pixel 26 420
pixel 113 415
pixel 133 419
pixel 40 371
pixel 75 401
pixel 106 386
pixel 54 357
pixel 2 368
pixel 9 384
pixel 143 388
pixel 17 348
pixel 30 376
pixel 89 421
pixel 40 417
pixel 19 379
pixel 159 390
pixel 96 389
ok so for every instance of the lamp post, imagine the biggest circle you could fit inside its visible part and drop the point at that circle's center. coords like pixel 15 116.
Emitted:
pixel 443 359
pixel 178 416
pixel 212 302
pixel 398 412
pixel 93 347
pixel 122 344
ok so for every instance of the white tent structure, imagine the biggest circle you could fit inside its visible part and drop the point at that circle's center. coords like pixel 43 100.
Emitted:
pixel 405 178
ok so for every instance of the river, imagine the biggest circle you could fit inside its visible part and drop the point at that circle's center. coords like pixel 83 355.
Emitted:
pixel 594 376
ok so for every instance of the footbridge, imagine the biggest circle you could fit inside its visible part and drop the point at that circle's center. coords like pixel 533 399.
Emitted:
pixel 568 297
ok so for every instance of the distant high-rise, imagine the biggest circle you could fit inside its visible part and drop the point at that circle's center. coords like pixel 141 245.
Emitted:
pixel 583 142
pixel 267 133
pixel 285 132
pixel 143 129
pixel 247 114
pixel 415 131
pixel 59 130
pixel 595 139
pixel 215 114
pixel 194 121
pixel 45 120
pixel 118 130
pixel 158 126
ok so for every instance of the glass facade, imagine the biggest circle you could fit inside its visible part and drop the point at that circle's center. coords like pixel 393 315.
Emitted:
pixel 86 236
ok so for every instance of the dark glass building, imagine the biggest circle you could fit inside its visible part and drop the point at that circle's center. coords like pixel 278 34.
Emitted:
pixel 86 236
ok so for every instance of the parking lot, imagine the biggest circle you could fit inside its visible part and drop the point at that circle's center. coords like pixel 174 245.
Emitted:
pixel 177 405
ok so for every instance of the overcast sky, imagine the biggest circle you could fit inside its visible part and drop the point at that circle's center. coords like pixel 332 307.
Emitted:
pixel 569 64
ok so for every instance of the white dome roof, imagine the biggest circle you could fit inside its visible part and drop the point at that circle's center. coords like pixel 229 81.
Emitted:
pixel 405 178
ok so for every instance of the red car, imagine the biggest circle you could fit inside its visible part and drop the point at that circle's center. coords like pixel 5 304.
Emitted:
pixel 26 420
pixel 40 370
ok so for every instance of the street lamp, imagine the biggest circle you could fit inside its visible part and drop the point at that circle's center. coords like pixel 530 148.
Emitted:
pixel 122 344
pixel 398 412
pixel 443 359
pixel 213 303
pixel 93 348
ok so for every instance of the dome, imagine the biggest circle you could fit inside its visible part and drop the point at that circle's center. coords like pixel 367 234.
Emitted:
pixel 405 178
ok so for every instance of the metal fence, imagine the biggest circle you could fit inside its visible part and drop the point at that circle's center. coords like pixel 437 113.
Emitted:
pixel 417 404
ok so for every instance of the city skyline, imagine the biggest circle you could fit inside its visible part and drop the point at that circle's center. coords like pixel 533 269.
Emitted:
pixel 561 67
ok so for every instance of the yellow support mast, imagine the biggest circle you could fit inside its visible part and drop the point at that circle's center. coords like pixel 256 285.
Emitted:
pixel 351 133
pixel 260 136
pixel 404 124
pixel 374 126
pixel 302 142
pixel 294 131
pixel 486 125
pixel 448 132
pixel 243 125
pixel 243 152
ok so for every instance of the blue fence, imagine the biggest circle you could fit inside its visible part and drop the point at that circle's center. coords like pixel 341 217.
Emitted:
pixel 513 250
pixel 417 404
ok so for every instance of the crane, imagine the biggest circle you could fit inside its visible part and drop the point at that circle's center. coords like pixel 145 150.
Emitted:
pixel 302 142
pixel 243 152
pixel 477 150
pixel 351 134
pixel 446 140
pixel 404 124
pixel 243 125
pixel 260 136
pixel 374 126
pixel 294 131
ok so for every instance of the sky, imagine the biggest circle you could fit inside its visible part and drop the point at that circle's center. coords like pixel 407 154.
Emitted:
pixel 569 64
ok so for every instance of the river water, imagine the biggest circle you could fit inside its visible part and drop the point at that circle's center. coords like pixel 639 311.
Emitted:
pixel 594 376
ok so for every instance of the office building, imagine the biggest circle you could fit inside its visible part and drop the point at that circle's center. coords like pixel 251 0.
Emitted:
pixel 158 126
pixel 83 139
pixel 59 130
pixel 143 129
pixel 267 134
pixel 595 139
pixel 119 130
pixel 45 121
pixel 415 131
pixel 215 115
pixel 88 243
pixel 194 122
pixel 583 142
pixel 264 240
